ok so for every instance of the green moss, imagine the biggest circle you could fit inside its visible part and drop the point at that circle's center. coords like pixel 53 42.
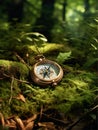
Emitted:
pixel 14 68
pixel 43 48
pixel 23 109
pixel 77 90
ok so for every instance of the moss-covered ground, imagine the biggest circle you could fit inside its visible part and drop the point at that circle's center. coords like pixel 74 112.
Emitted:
pixel 20 97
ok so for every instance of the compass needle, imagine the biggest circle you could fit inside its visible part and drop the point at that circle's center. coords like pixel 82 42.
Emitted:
pixel 49 67
pixel 46 72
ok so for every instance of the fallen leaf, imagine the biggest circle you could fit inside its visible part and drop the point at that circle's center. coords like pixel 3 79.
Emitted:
pixel 2 122
pixel 21 97
pixel 19 123
pixel 30 126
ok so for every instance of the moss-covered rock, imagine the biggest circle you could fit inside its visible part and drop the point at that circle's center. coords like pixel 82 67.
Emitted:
pixel 12 68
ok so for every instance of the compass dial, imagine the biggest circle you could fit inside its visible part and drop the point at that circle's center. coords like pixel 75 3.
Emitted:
pixel 46 72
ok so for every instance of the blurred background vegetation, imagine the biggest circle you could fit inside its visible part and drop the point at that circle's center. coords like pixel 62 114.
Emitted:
pixel 51 18
pixel 60 21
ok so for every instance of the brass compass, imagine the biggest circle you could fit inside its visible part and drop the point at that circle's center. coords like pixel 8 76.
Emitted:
pixel 46 72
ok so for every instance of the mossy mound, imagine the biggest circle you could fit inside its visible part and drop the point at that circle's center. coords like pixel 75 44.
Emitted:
pixel 77 90
pixel 13 68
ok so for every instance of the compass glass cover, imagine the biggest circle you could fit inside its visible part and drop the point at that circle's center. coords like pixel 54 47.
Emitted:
pixel 47 71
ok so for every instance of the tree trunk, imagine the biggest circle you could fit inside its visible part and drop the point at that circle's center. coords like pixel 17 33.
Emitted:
pixel 64 11
pixel 87 9
pixel 45 22
pixel 15 11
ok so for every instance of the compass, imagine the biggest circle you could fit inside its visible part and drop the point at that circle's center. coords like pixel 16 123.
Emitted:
pixel 46 72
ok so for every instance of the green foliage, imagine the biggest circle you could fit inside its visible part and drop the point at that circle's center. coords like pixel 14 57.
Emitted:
pixel 33 37
pixel 19 36
pixel 90 62
pixel 22 41
pixel 63 56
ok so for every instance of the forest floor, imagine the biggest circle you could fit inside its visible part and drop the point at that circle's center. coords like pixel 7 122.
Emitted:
pixel 71 105
pixel 49 120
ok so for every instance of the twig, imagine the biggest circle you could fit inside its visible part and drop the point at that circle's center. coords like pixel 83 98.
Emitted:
pixel 41 112
pixel 55 120
pixel 11 89
pixel 2 122
pixel 76 122
pixel 21 59
pixel 22 81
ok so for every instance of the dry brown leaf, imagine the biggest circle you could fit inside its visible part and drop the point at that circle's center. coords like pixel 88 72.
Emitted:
pixel 32 118
pixel 48 125
pixel 11 126
pixel 29 126
pixel 2 122
pixel 7 122
pixel 19 123
pixel 21 97
pixel 12 122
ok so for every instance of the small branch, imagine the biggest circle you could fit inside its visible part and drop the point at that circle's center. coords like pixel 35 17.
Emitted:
pixel 75 123
pixel 55 120
pixel 11 89
pixel 41 112
pixel 21 59
pixel 22 81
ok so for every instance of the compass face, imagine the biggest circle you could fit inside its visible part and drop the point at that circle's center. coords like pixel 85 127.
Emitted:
pixel 47 71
